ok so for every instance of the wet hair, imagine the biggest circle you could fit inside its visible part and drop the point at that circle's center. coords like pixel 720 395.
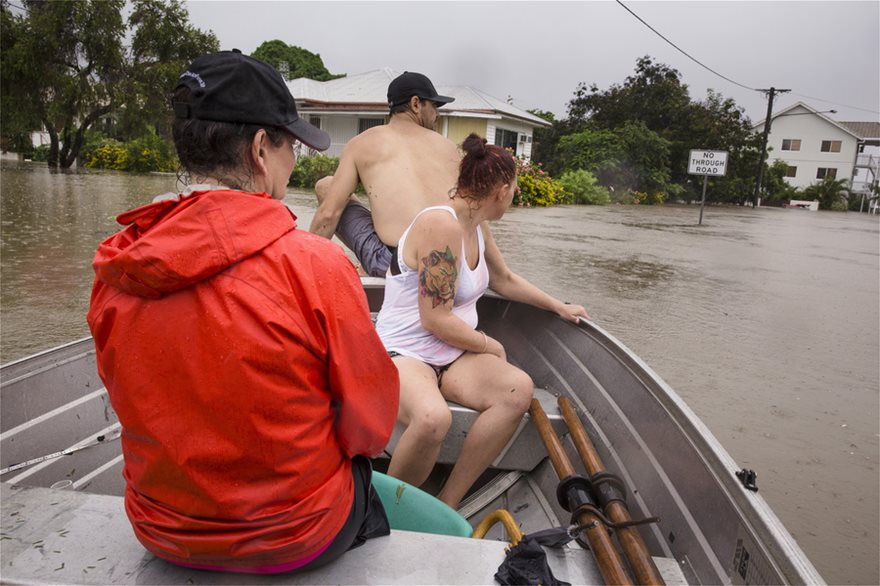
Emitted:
pixel 216 149
pixel 483 168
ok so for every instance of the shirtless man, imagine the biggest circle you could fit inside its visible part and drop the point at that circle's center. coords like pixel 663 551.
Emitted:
pixel 404 166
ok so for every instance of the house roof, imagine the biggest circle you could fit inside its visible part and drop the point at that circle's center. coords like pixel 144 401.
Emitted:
pixel 864 130
pixel 369 90
pixel 812 110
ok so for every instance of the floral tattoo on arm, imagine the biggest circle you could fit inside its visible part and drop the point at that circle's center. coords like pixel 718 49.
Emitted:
pixel 437 279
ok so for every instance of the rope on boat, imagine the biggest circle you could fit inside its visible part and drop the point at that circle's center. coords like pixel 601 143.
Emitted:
pixel 505 518
pixel 104 438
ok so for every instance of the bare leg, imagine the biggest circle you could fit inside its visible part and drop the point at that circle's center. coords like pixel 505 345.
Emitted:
pixel 503 393
pixel 425 413
pixel 323 185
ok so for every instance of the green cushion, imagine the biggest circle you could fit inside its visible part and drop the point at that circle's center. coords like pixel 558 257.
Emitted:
pixel 411 509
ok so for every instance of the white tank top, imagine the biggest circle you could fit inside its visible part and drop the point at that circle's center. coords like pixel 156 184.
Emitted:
pixel 399 325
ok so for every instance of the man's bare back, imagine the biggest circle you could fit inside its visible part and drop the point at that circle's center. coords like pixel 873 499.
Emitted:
pixel 404 168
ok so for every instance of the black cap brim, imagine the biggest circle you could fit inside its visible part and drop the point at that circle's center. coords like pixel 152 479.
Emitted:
pixel 442 99
pixel 309 134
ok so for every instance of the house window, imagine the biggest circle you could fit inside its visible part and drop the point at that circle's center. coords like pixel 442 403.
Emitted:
pixel 505 138
pixel 791 144
pixel 791 171
pixel 367 123
pixel 826 172
pixel 830 146
pixel 315 121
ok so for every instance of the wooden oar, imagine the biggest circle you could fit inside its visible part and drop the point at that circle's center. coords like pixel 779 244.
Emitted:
pixel 634 547
pixel 608 559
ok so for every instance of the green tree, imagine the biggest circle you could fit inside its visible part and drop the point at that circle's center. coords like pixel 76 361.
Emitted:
pixel 63 68
pixel 292 61
pixel 833 194
pixel 583 188
pixel 655 95
pixel 17 117
pixel 655 108
pixel 776 188
pixel 543 114
pixel 163 44
pixel 631 157
pixel 717 123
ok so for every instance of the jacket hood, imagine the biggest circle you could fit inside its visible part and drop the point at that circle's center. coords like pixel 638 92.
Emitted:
pixel 168 245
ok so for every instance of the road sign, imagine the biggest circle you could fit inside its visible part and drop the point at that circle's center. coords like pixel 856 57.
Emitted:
pixel 709 163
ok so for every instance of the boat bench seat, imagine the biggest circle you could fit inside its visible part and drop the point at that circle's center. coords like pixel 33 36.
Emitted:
pixel 55 536
pixel 523 452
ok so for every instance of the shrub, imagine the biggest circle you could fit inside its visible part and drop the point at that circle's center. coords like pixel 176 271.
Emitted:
pixel 628 197
pixel 141 155
pixel 40 153
pixel 536 187
pixel 107 154
pixel 583 188
pixel 309 170
pixel 830 193
pixel 149 153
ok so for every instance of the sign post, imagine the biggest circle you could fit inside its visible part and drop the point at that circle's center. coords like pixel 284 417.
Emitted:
pixel 707 163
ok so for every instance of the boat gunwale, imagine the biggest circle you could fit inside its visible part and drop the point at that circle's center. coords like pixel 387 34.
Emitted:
pixel 760 521
pixel 753 508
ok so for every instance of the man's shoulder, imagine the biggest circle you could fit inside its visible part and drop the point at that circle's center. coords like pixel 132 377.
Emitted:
pixel 372 134
pixel 371 139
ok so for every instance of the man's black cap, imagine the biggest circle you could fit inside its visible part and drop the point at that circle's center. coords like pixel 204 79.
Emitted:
pixel 231 87
pixel 410 84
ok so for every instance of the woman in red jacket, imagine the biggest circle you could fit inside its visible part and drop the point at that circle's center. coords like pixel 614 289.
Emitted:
pixel 237 350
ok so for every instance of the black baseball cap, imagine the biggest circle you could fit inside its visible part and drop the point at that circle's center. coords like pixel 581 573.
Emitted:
pixel 231 87
pixel 410 84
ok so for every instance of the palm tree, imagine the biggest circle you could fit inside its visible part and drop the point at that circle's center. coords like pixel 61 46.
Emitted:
pixel 831 193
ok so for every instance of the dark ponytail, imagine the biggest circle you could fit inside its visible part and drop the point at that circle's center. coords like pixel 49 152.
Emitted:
pixel 483 168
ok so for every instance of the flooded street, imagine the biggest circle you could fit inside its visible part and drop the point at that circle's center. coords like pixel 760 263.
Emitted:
pixel 766 322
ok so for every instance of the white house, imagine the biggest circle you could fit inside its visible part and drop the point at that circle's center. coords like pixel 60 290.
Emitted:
pixel 815 146
pixel 349 105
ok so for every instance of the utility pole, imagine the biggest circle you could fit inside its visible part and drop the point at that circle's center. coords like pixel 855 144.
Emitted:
pixel 770 93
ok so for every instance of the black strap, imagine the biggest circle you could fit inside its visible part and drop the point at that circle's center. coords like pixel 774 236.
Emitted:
pixel 394 266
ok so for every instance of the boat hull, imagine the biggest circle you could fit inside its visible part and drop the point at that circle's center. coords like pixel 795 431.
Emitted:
pixel 711 529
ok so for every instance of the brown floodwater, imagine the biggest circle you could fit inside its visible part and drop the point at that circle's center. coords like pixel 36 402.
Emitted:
pixel 767 322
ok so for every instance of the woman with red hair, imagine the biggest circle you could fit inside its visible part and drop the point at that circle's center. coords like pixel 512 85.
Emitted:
pixel 429 318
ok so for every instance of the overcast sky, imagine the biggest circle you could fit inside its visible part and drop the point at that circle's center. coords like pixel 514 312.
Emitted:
pixel 538 52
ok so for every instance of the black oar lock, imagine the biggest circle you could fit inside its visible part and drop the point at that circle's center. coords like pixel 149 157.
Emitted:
pixel 578 494
pixel 748 478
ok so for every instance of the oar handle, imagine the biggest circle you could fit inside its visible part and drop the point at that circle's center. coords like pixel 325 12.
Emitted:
pixel 610 563
pixel 634 547
pixel 558 457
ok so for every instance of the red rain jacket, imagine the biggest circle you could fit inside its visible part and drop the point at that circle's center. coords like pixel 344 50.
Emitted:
pixel 239 355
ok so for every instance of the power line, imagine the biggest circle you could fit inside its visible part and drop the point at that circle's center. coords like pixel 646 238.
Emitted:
pixel 727 78
pixel 836 103
pixel 683 52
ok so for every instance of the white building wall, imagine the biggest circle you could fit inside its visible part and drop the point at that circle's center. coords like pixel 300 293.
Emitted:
pixel 343 127
pixel 490 133
pixel 523 147
pixel 811 130
pixel 341 130
pixel 40 138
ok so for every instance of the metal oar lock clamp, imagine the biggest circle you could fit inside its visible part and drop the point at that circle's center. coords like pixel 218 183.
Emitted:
pixel 578 494
pixel 748 478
